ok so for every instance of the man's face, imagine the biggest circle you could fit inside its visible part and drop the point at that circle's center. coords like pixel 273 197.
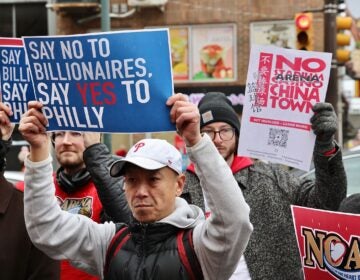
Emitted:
pixel 151 193
pixel 69 148
pixel 225 146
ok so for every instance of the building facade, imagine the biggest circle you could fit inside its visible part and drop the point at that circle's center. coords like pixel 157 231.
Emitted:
pixel 249 22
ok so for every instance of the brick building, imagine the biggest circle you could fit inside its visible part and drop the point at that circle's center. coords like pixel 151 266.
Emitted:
pixel 63 17
pixel 73 18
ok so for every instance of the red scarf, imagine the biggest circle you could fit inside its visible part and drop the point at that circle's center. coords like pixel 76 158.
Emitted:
pixel 238 164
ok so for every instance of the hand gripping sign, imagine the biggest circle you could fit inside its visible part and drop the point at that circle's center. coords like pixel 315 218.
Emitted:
pixel 282 87
pixel 105 82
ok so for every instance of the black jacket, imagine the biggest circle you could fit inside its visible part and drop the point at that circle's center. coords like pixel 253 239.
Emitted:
pixel 19 258
pixel 98 159
pixel 150 252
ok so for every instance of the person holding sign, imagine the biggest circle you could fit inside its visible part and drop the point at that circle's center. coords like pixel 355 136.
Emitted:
pixel 75 186
pixel 148 247
pixel 270 190
pixel 19 258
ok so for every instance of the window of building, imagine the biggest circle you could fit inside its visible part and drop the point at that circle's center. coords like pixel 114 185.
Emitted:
pixel 23 19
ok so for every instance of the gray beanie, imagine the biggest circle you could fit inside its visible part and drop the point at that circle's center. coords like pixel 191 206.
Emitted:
pixel 216 107
pixel 351 204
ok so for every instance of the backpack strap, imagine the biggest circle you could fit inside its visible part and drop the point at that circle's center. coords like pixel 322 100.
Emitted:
pixel 121 237
pixel 187 254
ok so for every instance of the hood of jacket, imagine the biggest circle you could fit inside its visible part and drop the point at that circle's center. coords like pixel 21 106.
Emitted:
pixel 185 215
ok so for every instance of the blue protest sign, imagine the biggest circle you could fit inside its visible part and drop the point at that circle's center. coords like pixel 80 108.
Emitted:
pixel 15 81
pixel 105 82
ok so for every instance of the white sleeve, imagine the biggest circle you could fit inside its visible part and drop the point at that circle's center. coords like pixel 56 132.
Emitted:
pixel 60 234
pixel 221 240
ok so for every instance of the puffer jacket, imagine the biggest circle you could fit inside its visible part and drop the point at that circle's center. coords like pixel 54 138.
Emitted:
pixel 98 160
pixel 269 190
pixel 149 252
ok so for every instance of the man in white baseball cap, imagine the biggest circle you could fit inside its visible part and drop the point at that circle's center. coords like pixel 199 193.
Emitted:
pixel 150 154
pixel 155 163
pixel 168 238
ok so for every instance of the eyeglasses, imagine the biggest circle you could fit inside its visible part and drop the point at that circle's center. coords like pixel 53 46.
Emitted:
pixel 60 135
pixel 225 134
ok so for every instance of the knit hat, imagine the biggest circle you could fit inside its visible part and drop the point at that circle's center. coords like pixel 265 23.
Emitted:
pixel 351 204
pixel 150 154
pixel 216 107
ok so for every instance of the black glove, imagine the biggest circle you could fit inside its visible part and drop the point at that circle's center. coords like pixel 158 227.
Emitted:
pixel 324 125
pixel 4 149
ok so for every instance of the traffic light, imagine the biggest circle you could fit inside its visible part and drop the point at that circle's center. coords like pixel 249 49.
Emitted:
pixel 304 31
pixel 342 38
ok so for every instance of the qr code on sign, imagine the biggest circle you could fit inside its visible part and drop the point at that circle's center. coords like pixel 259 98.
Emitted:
pixel 278 137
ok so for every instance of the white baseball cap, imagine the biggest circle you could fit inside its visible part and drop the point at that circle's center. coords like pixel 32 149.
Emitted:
pixel 150 154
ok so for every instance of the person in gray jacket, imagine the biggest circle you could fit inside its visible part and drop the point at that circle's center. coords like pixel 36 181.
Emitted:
pixel 153 184
pixel 270 189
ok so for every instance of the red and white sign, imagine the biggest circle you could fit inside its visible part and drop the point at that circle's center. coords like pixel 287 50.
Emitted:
pixel 328 243
pixel 281 88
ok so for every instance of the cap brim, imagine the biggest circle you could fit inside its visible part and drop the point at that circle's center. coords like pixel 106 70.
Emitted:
pixel 117 168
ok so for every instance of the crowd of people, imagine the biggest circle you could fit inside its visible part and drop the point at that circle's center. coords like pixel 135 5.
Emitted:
pixel 139 216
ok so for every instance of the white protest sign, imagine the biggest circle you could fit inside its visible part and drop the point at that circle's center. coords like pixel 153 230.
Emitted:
pixel 282 86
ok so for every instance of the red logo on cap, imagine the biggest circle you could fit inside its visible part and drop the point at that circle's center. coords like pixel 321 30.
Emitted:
pixel 138 146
